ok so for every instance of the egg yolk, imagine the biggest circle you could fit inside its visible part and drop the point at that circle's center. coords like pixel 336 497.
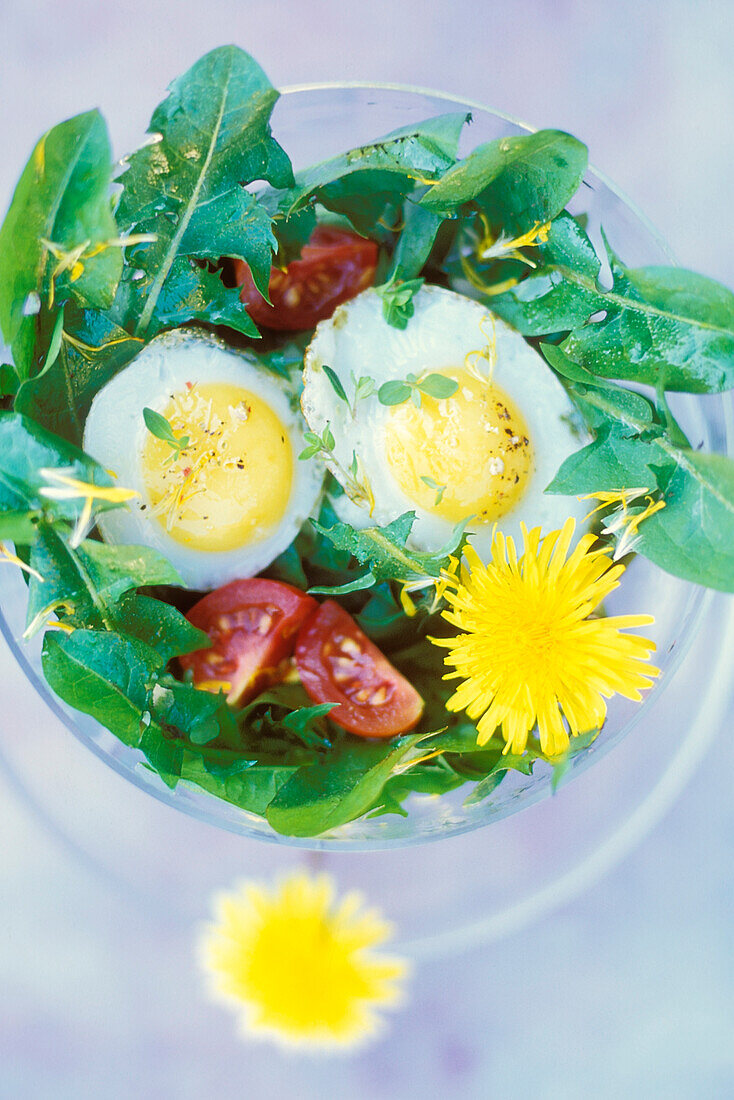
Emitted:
pixel 228 480
pixel 465 455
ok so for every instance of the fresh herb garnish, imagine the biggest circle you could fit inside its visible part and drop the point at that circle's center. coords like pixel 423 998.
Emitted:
pixel 399 391
pixel 161 428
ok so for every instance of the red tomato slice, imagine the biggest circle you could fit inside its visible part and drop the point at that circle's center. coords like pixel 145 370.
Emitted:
pixel 252 625
pixel 334 266
pixel 339 664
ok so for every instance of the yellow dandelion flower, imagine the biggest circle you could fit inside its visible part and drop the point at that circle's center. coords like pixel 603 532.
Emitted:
pixel 528 651
pixel 299 964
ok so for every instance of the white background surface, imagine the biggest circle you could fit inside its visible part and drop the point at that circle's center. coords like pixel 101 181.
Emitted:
pixel 626 991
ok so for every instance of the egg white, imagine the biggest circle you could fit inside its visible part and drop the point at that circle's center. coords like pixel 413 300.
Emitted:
pixel 115 435
pixel 358 342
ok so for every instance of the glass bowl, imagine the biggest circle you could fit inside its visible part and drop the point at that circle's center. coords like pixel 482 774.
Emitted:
pixel 312 123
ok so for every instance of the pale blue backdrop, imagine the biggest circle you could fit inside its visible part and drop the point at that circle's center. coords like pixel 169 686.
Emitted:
pixel 628 990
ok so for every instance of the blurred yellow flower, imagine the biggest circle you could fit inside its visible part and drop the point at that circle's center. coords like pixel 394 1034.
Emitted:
pixel 299 964
pixel 528 650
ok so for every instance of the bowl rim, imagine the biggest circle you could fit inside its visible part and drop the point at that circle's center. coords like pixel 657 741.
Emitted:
pixel 699 599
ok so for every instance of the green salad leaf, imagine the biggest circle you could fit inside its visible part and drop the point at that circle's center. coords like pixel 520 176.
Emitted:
pixel 210 136
pixel 87 581
pixel 105 675
pixel 92 350
pixel 661 322
pixel 59 237
pixel 653 325
pixel 338 788
pixel 26 451
pixel 383 550
pixel 693 535
pixel 516 181
pixel 389 166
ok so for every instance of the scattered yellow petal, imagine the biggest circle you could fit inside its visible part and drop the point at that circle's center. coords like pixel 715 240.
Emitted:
pixel 7 557
pixel 299 965
pixel 71 488
pixel 622 520
pixel 214 686
pixel 502 247
pixel 528 651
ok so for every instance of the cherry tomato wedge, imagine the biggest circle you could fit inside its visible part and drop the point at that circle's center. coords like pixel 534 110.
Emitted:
pixel 252 625
pixel 334 266
pixel 339 664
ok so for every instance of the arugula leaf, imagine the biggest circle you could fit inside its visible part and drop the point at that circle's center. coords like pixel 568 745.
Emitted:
pixel 517 181
pixel 104 675
pixel 384 549
pixel 505 762
pixel 158 624
pixel 562 763
pixel 427 149
pixel 87 582
pixel 338 789
pixel 661 324
pixel 181 709
pixel 420 779
pixel 693 535
pixel 92 350
pixel 25 450
pixel 563 292
pixel 62 198
pixel 190 293
pixel 655 325
pixel 187 187
pixel 414 243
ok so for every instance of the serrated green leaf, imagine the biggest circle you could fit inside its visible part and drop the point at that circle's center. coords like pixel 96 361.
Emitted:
pixel 338 789
pixel 214 136
pixel 102 674
pixel 693 536
pixel 518 181
pixel 25 450
pixel 384 549
pixel 426 149
pixel 563 292
pixel 506 762
pixel 414 244
pixel 661 323
pixel 63 198
pixel 190 292
pixel 88 581
pixel 93 349
pixel 158 624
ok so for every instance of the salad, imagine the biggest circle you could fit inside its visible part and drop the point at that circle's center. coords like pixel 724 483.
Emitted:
pixel 319 479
